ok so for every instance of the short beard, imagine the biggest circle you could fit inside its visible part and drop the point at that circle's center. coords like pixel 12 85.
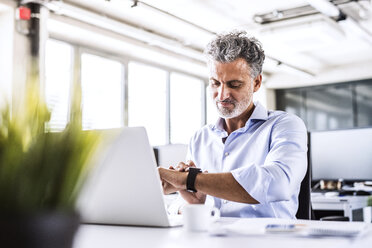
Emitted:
pixel 239 107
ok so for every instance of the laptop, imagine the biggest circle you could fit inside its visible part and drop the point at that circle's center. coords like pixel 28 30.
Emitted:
pixel 124 186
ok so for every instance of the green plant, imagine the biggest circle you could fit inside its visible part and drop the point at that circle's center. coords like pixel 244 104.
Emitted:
pixel 369 201
pixel 41 170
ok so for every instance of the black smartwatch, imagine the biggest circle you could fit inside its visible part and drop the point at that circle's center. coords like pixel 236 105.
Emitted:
pixel 190 181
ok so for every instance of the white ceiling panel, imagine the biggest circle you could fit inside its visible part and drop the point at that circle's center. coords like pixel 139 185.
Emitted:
pixel 310 42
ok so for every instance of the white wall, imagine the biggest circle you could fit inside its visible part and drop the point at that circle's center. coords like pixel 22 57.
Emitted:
pixel 265 96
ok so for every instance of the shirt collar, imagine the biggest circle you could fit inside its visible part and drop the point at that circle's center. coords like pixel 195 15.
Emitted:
pixel 259 113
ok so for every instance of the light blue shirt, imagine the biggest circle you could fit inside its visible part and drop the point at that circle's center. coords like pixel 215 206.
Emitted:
pixel 267 157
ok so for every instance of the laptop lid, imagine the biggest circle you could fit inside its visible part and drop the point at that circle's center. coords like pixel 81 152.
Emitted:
pixel 124 186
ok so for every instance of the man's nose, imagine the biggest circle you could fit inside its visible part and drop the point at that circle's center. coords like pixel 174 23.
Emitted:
pixel 223 92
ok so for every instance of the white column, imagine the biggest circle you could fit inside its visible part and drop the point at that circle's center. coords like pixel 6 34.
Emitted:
pixel 28 53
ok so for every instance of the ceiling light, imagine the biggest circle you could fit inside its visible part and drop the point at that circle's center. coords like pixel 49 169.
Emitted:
pixel 327 8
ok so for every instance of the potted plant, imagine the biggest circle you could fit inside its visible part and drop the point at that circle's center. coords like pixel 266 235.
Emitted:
pixel 41 174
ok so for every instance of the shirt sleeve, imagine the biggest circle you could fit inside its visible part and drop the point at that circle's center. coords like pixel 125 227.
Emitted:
pixel 285 165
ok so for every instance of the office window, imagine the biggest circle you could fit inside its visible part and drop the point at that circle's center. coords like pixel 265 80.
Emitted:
pixel 329 108
pixel 292 102
pixel 58 74
pixel 364 104
pixel 147 99
pixel 185 107
pixel 102 92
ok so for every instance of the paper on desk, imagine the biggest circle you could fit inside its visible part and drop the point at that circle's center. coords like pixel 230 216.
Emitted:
pixel 337 229
pixel 240 227
pixel 303 228
pixel 245 226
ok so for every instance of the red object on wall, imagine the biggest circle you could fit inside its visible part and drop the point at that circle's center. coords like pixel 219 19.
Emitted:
pixel 23 13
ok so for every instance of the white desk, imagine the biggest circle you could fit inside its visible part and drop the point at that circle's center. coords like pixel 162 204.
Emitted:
pixel 344 203
pixel 93 236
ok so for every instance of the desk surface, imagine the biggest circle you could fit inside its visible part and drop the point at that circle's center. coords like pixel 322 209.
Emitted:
pixel 91 236
pixel 345 203
pixel 320 198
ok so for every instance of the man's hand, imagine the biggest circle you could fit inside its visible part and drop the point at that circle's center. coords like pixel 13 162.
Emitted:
pixel 181 166
pixel 190 197
pixel 193 197
pixel 172 180
pixel 167 187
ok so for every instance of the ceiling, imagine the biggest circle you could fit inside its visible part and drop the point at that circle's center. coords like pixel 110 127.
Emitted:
pixel 304 50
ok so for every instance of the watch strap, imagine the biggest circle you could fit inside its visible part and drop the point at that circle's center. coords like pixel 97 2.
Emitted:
pixel 190 181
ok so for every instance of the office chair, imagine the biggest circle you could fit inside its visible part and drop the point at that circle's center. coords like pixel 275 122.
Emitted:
pixel 304 197
pixel 305 210
pixel 156 153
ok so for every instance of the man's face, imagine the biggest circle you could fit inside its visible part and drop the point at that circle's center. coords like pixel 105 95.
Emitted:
pixel 231 87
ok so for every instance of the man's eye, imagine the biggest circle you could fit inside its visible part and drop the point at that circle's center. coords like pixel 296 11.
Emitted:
pixel 214 83
pixel 234 85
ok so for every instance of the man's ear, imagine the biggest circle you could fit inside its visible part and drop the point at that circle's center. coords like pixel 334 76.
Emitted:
pixel 257 83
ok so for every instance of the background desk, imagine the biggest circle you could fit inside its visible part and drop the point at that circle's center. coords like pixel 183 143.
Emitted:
pixel 344 203
pixel 93 236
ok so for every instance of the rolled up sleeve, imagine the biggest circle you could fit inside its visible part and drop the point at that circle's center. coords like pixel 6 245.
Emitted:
pixel 285 165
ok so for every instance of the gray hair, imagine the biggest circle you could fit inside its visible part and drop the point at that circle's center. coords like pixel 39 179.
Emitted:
pixel 227 47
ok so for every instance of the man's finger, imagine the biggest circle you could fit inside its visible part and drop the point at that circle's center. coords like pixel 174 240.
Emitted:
pixel 190 163
pixel 181 166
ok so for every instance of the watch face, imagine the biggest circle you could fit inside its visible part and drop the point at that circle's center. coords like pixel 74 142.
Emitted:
pixel 194 169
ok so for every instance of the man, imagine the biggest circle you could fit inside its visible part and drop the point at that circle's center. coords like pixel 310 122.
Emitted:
pixel 253 160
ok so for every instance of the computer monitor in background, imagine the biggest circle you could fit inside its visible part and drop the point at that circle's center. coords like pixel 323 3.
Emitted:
pixel 345 154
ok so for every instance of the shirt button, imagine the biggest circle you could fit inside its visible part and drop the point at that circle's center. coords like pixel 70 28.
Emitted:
pixel 226 154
